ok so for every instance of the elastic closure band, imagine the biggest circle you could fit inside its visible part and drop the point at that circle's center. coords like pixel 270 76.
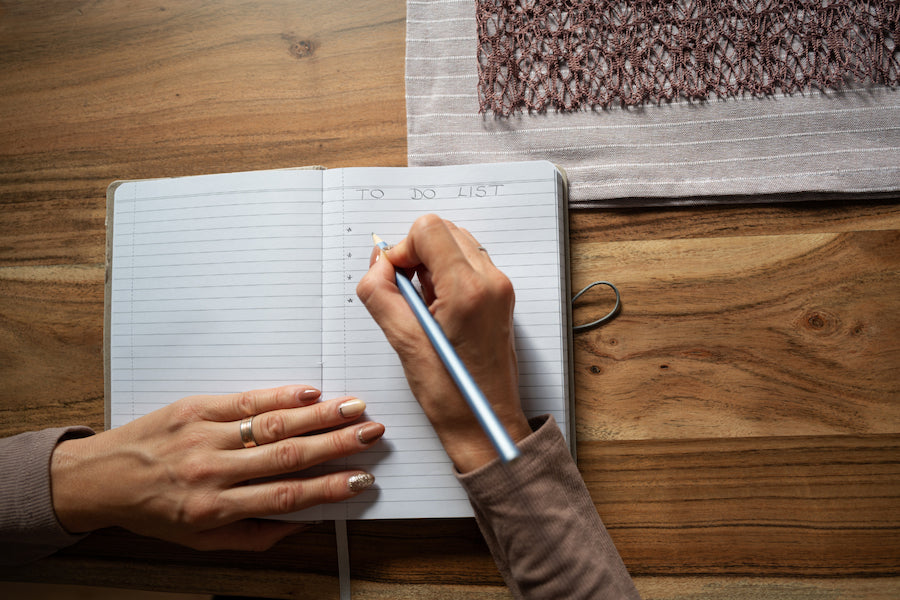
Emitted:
pixel 609 316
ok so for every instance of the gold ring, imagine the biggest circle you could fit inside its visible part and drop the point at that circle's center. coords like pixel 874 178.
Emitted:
pixel 247 433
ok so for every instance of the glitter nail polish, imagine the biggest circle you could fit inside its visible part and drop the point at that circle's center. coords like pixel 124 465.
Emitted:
pixel 360 482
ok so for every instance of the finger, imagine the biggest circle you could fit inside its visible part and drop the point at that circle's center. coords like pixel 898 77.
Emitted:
pixel 299 453
pixel 379 294
pixel 377 253
pixel 427 284
pixel 233 407
pixel 275 425
pixel 285 496
pixel 465 234
pixel 476 253
pixel 430 242
pixel 247 534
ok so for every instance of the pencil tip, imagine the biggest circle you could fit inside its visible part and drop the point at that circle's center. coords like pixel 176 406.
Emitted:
pixel 376 239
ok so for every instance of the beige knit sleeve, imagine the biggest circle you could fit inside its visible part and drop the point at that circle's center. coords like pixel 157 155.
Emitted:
pixel 541 525
pixel 29 529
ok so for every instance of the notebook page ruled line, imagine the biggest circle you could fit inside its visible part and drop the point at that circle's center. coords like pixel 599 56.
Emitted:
pixel 216 286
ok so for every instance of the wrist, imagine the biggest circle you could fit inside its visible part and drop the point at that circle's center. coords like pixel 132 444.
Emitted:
pixel 70 477
pixel 472 448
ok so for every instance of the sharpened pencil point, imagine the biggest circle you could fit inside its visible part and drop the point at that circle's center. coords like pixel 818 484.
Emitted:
pixel 379 242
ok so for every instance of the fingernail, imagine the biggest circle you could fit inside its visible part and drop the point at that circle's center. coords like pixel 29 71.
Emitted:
pixel 352 408
pixel 360 482
pixel 369 432
pixel 309 394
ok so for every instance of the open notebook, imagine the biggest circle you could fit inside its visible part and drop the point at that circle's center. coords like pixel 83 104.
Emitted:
pixel 231 282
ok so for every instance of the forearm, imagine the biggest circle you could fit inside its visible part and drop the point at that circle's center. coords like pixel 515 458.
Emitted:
pixel 542 527
pixel 29 528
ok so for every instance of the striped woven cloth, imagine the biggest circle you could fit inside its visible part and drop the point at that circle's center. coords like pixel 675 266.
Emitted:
pixel 751 143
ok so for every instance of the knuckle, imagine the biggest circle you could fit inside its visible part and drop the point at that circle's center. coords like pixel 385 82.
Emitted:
pixel 245 403
pixel 324 415
pixel 272 428
pixel 286 497
pixel 289 455
pixel 196 471
pixel 503 287
pixel 284 395
pixel 340 445
pixel 346 443
pixel 424 226
pixel 187 409
pixel 428 221
pixel 471 297
pixel 494 287
pixel 335 444
pixel 334 488
pixel 365 288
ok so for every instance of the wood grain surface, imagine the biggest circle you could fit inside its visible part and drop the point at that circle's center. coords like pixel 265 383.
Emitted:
pixel 738 422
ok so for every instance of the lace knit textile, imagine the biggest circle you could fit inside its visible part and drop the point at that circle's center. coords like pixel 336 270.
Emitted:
pixel 573 54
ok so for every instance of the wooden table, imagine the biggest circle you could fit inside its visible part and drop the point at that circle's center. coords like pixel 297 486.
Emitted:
pixel 738 423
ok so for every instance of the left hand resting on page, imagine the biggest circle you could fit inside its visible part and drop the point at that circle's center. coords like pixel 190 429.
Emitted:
pixel 183 474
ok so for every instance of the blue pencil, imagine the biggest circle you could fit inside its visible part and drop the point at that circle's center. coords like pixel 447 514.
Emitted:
pixel 479 404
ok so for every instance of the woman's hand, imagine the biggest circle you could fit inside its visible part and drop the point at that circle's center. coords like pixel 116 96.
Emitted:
pixel 183 474
pixel 473 302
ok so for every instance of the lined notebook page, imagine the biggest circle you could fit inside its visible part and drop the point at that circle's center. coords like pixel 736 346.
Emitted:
pixel 514 210
pixel 216 287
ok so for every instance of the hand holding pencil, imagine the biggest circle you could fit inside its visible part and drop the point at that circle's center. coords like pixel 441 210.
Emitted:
pixel 473 303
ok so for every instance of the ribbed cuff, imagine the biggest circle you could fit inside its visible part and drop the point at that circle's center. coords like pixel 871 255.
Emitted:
pixel 29 529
